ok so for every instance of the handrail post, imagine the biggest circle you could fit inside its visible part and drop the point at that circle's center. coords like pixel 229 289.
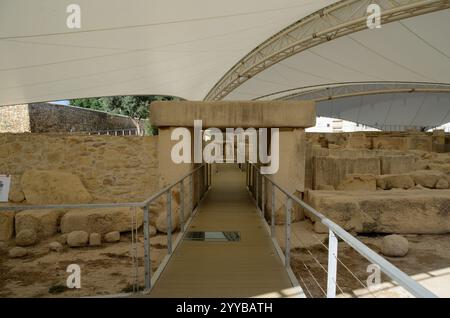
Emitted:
pixel 191 191
pixel 182 206
pixel 263 194
pixel 169 221
pixel 332 264
pixel 272 221
pixel 257 189
pixel 147 260
pixel 198 186
pixel 287 252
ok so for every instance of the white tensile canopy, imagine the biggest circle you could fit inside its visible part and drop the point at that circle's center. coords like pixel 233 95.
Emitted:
pixel 194 49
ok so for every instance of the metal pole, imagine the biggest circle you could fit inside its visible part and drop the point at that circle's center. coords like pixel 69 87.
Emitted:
pixel 246 174
pixel 257 189
pixel 287 252
pixel 191 192
pixel 332 265
pixel 169 221
pixel 263 194
pixel 147 260
pixel 182 206
pixel 198 187
pixel 272 222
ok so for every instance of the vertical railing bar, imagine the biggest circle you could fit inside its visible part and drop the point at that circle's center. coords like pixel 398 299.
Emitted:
pixel 198 186
pixel 191 193
pixel 257 189
pixel 169 221
pixel 272 221
pixel 147 260
pixel 182 206
pixel 263 194
pixel 287 253
pixel 332 265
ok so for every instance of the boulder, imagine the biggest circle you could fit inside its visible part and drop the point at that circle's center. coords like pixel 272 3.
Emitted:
pixel 427 178
pixel 101 221
pixel 390 181
pixel 358 182
pixel 53 187
pixel 6 225
pixel 77 238
pixel 44 222
pixel 55 247
pixel 401 212
pixel 17 252
pixel 161 222
pixel 112 237
pixel 95 239
pixel 394 245
pixel 442 184
pixel 26 238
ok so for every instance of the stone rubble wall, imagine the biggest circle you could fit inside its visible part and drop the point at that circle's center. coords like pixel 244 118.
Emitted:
pixel 111 168
pixel 51 118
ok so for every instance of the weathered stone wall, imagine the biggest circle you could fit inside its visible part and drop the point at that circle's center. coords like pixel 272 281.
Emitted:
pixel 45 117
pixel 14 119
pixel 111 168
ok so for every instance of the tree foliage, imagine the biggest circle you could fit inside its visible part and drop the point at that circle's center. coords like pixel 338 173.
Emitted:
pixel 135 107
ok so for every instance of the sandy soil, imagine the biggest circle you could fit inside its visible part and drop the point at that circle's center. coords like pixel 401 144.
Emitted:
pixel 105 270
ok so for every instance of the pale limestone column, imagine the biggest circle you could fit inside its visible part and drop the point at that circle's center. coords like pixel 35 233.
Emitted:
pixel 290 175
pixel 170 172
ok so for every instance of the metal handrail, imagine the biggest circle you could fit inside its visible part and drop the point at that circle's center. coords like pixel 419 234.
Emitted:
pixel 388 268
pixel 140 204
pixel 145 205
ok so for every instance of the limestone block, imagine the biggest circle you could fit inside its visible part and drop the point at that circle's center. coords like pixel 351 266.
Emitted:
pixel 391 181
pixel 53 187
pixel 224 114
pixel 332 170
pixel 389 142
pixel 44 222
pixel 26 238
pixel 6 225
pixel 55 247
pixel 101 220
pixel 325 187
pixel 77 238
pixel 112 237
pixel 358 182
pixel 95 239
pixel 397 164
pixel 401 212
pixel 17 252
pixel 161 222
pixel 427 178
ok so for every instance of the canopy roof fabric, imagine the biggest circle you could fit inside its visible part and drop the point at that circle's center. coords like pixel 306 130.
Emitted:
pixel 184 48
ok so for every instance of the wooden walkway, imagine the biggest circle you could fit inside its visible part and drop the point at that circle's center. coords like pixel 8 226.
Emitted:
pixel 248 268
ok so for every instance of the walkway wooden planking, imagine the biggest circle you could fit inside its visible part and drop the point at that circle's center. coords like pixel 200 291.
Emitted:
pixel 247 268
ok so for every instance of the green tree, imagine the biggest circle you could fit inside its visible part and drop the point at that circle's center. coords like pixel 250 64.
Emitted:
pixel 135 107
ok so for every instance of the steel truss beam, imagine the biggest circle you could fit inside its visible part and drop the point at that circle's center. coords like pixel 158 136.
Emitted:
pixel 337 20
pixel 359 89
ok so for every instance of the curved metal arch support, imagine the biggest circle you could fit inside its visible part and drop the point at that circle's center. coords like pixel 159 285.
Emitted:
pixel 362 89
pixel 339 19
